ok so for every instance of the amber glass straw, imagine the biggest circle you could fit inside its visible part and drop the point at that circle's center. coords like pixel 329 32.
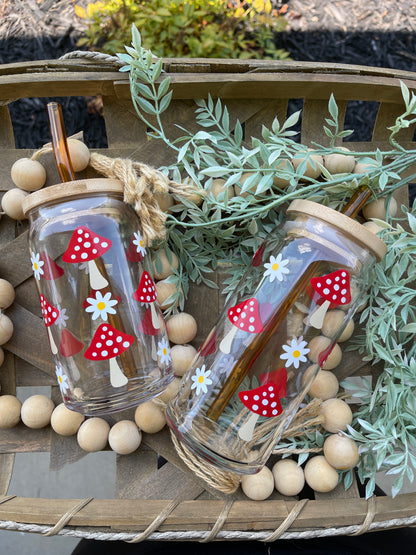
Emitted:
pixel 59 142
pixel 244 363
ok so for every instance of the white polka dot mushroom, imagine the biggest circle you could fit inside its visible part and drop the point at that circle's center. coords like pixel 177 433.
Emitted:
pixel 262 401
pixel 246 317
pixel 50 315
pixel 86 246
pixel 146 295
pixel 107 344
pixel 333 289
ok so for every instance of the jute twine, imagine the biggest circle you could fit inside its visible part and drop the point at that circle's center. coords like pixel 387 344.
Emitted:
pixel 142 183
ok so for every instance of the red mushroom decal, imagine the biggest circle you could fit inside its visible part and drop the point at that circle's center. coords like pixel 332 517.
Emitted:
pixel 334 288
pixel 146 327
pixel 50 315
pixel 86 246
pixel 69 344
pixel 244 316
pixel 262 401
pixel 146 294
pixel 107 344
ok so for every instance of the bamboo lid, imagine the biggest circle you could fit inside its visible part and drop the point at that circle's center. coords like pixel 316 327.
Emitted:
pixel 346 225
pixel 69 189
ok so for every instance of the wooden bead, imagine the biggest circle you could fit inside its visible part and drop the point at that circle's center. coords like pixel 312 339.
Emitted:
pixel 164 290
pixel 182 357
pixel 289 478
pixel 341 451
pixel 36 411
pixel 181 328
pixel 150 417
pixel 7 293
pixel 171 391
pixel 325 385
pixel 6 329
pixel 313 166
pixel 199 194
pixel 217 188
pixel 377 209
pixel 11 203
pixel 79 154
pixel 10 408
pixel 66 422
pixel 282 166
pixel 164 265
pixel 239 186
pixel 337 415
pixel 124 437
pixel 28 174
pixel 92 435
pixel 339 163
pixel 333 321
pixel 317 345
pixel 165 201
pixel 320 475
pixel 258 486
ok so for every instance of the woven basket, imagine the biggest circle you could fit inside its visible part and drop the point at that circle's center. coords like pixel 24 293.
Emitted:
pixel 172 502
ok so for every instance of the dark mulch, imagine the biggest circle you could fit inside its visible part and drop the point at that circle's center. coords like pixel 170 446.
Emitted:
pixel 379 33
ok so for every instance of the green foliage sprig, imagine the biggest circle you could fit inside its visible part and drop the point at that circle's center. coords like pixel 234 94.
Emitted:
pixel 230 229
pixel 186 28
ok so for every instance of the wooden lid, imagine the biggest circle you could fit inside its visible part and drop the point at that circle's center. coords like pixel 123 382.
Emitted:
pixel 69 189
pixel 345 224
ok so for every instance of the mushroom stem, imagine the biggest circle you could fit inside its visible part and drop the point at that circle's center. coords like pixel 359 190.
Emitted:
pixel 316 319
pixel 97 280
pixel 117 378
pixel 247 429
pixel 52 343
pixel 155 316
pixel 225 345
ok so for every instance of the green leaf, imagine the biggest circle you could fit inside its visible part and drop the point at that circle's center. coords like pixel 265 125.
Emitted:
pixel 165 102
pixel 333 108
pixel 136 38
pixel 146 106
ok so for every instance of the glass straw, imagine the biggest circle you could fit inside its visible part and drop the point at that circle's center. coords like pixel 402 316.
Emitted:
pixel 59 142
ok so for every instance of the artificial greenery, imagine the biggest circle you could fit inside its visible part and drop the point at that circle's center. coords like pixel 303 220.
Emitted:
pixel 186 28
pixel 229 230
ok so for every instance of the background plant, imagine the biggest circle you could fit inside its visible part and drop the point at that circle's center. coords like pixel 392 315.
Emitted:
pixel 186 28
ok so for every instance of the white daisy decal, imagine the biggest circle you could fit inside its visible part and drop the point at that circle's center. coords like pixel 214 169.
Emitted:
pixel 138 241
pixel 163 351
pixel 37 264
pixel 62 380
pixel 295 352
pixel 201 380
pixel 276 267
pixel 101 305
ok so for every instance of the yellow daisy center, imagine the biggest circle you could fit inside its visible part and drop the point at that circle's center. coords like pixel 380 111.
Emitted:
pixel 164 350
pixel 35 265
pixel 275 267
pixel 101 305
pixel 296 353
pixel 60 379
pixel 141 243
pixel 201 379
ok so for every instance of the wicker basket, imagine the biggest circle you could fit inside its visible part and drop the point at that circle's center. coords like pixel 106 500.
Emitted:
pixel 172 503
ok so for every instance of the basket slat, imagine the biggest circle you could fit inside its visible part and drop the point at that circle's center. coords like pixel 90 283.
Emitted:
pixel 255 93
